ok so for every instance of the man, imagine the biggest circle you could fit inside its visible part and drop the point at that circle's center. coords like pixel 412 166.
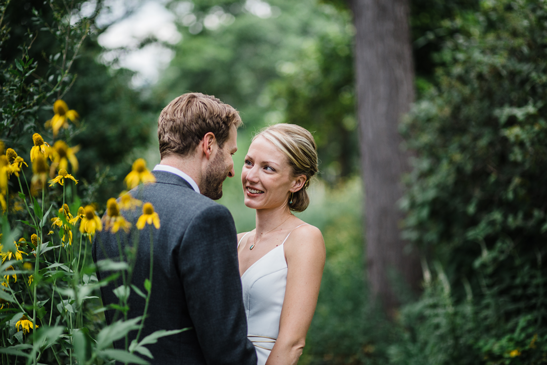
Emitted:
pixel 196 279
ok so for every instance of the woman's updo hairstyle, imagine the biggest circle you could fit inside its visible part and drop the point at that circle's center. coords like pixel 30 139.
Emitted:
pixel 298 145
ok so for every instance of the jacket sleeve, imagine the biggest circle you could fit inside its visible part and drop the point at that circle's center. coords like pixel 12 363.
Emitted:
pixel 209 271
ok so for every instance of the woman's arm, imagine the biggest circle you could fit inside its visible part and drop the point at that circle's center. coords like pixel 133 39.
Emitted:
pixel 305 254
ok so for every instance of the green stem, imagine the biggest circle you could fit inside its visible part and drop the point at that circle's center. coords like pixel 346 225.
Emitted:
pixel 80 253
pixel 53 289
pixel 150 291
pixel 25 200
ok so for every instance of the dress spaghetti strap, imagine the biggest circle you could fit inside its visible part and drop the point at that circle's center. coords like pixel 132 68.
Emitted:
pixel 303 224
pixel 242 239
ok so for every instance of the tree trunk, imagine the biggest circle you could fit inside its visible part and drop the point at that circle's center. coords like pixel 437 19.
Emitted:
pixel 385 91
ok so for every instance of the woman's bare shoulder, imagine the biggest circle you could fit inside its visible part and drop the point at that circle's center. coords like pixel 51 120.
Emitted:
pixel 307 237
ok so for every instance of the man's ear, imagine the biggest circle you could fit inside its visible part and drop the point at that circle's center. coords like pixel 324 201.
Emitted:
pixel 298 183
pixel 209 143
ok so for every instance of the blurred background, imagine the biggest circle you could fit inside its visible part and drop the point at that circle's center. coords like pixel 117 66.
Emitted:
pixel 430 121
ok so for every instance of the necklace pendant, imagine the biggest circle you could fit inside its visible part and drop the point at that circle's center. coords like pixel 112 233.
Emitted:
pixel 252 246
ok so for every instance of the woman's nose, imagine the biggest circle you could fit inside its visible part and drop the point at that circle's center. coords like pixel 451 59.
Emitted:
pixel 252 174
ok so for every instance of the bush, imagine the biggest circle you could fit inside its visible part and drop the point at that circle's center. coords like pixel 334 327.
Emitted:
pixel 476 194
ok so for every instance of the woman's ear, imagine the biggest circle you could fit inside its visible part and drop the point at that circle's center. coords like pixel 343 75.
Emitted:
pixel 298 183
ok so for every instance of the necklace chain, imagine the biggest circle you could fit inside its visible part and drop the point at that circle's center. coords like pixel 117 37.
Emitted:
pixel 262 235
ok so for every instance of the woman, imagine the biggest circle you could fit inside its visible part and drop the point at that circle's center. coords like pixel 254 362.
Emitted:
pixel 281 261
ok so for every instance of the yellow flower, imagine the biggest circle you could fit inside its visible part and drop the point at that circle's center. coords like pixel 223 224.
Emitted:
pixel 63 154
pixel 11 155
pixel 27 266
pixel 61 178
pixel 139 174
pixel 61 115
pixel 22 242
pixel 16 162
pixel 4 166
pixel 79 215
pixel 15 167
pixel 25 324
pixel 40 170
pixel 90 222
pixel 14 276
pixel 148 217
pixel 34 239
pixel 8 255
pixel 67 229
pixel 68 217
pixel 127 202
pixel 30 279
pixel 113 219
pixel 514 353
pixel 40 148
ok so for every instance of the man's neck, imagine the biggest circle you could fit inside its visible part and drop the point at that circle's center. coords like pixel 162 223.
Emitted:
pixel 190 166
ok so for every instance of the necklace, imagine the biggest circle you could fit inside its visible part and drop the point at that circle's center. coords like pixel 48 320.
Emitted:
pixel 262 235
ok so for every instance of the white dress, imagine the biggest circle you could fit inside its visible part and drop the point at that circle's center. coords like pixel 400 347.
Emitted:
pixel 264 284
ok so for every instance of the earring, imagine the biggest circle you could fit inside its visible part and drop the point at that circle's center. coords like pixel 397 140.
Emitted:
pixel 290 201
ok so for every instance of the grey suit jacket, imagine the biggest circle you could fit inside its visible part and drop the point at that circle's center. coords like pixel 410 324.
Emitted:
pixel 196 279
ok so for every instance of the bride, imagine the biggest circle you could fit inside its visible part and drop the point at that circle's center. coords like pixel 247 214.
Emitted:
pixel 281 261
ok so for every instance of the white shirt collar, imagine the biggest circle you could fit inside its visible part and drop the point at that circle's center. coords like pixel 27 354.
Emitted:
pixel 177 172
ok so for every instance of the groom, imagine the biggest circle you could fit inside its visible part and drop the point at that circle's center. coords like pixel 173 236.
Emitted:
pixel 195 277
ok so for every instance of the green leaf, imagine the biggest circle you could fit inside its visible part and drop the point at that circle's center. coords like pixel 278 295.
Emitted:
pixel 7 297
pixel 28 224
pixel 37 210
pixel 116 331
pixel 143 351
pixel 5 265
pixel 9 235
pixel 80 344
pixel 138 291
pixel 47 337
pixel 148 285
pixel 109 265
pixel 58 264
pixel 122 356
pixel 18 65
pixel 42 302
pixel 122 292
pixel 16 350
pixel 153 337
pixel 44 220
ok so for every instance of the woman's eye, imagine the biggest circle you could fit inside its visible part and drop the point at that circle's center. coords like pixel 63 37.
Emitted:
pixel 269 168
pixel 247 162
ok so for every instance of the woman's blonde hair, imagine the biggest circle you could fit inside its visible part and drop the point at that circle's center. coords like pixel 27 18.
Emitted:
pixel 298 145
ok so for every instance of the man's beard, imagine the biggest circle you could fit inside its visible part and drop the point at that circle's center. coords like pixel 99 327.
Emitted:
pixel 214 177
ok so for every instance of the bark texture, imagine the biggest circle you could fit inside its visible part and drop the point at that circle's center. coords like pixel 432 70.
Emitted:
pixel 385 91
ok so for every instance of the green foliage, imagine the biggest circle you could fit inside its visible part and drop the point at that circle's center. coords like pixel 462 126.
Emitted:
pixel 347 327
pixel 475 201
pixel 43 55
pixel 294 66
pixel 318 91
pixel 48 310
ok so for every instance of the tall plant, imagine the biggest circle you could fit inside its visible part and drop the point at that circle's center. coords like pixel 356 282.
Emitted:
pixel 49 310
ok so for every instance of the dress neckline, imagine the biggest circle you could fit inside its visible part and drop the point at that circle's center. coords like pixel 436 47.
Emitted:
pixel 263 256
pixel 267 253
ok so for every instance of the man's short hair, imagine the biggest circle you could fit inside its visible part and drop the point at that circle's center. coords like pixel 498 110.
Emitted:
pixel 183 123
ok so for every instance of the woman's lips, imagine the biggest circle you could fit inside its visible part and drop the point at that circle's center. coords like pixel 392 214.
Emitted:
pixel 253 191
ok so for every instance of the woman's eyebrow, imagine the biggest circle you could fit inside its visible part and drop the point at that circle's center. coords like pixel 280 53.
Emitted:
pixel 270 163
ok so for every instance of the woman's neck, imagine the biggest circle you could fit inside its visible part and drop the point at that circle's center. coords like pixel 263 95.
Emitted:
pixel 269 219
